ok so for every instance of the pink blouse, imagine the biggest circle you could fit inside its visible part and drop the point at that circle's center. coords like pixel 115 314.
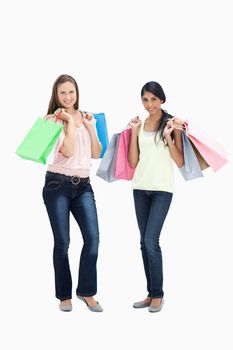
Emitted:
pixel 79 163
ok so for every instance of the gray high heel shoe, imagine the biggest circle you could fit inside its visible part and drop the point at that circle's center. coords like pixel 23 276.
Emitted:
pixel 141 304
pixel 65 308
pixel 95 308
pixel 156 308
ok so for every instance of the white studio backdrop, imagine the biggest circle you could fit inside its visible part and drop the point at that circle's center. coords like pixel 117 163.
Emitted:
pixel 112 48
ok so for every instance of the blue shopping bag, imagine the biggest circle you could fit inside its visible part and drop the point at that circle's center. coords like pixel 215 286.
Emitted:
pixel 102 131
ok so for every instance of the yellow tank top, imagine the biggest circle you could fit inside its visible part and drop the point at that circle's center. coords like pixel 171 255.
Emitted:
pixel 154 171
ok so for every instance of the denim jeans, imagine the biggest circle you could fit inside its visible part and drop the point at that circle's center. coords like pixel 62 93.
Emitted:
pixel 151 210
pixel 62 197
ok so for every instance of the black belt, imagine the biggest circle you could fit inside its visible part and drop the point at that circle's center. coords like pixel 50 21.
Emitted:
pixel 75 180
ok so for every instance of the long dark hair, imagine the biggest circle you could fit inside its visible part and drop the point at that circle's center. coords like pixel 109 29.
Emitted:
pixel 54 102
pixel 156 89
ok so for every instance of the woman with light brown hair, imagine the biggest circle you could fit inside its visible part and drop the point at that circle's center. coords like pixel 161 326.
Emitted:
pixel 67 189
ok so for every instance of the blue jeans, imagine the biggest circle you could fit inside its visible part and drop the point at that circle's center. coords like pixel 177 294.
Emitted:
pixel 151 210
pixel 64 195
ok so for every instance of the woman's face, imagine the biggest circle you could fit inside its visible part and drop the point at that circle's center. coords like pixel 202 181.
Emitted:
pixel 66 93
pixel 151 102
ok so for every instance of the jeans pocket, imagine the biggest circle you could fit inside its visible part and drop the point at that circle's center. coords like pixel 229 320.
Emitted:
pixel 52 184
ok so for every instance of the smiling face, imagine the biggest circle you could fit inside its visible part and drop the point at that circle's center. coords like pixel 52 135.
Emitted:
pixel 151 102
pixel 67 95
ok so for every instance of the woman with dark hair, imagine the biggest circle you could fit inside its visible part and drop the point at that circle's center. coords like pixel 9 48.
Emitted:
pixel 68 190
pixel 155 142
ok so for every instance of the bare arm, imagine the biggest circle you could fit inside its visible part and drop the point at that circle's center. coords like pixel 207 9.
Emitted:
pixel 96 147
pixel 133 155
pixel 67 147
pixel 176 146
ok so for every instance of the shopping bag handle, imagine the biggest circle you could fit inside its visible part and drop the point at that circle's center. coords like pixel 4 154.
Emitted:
pixel 57 115
pixel 184 127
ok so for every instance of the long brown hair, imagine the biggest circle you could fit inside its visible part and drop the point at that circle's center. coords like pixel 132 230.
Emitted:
pixel 54 102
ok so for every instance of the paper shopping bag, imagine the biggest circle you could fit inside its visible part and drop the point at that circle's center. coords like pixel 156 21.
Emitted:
pixel 123 169
pixel 212 152
pixel 40 140
pixel 102 131
pixel 107 165
pixel 191 169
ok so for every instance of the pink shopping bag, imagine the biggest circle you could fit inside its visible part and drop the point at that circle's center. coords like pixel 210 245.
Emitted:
pixel 123 170
pixel 213 153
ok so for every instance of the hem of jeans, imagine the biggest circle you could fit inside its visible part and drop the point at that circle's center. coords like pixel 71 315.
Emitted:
pixel 64 298
pixel 155 296
pixel 85 294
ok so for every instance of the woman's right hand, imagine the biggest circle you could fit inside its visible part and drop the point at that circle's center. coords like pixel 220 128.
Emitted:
pixel 63 115
pixel 135 123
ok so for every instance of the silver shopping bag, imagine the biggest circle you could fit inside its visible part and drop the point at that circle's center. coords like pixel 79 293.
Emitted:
pixel 191 169
pixel 107 165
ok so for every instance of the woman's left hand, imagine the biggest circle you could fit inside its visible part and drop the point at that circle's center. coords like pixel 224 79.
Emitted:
pixel 179 124
pixel 168 128
pixel 88 120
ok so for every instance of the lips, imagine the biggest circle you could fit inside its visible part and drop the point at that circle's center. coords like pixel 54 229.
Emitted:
pixel 67 103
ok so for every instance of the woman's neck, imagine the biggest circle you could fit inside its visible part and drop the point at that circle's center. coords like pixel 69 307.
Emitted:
pixel 156 116
pixel 71 111
pixel 152 122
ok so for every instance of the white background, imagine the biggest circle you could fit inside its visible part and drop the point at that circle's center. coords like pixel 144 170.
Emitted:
pixel 112 48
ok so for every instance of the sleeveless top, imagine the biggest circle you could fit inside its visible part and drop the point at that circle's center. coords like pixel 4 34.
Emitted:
pixel 154 171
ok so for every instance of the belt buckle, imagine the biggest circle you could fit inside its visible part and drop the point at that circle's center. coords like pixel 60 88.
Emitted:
pixel 75 182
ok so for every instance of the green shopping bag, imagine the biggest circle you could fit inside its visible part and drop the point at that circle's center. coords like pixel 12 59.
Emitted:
pixel 39 141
